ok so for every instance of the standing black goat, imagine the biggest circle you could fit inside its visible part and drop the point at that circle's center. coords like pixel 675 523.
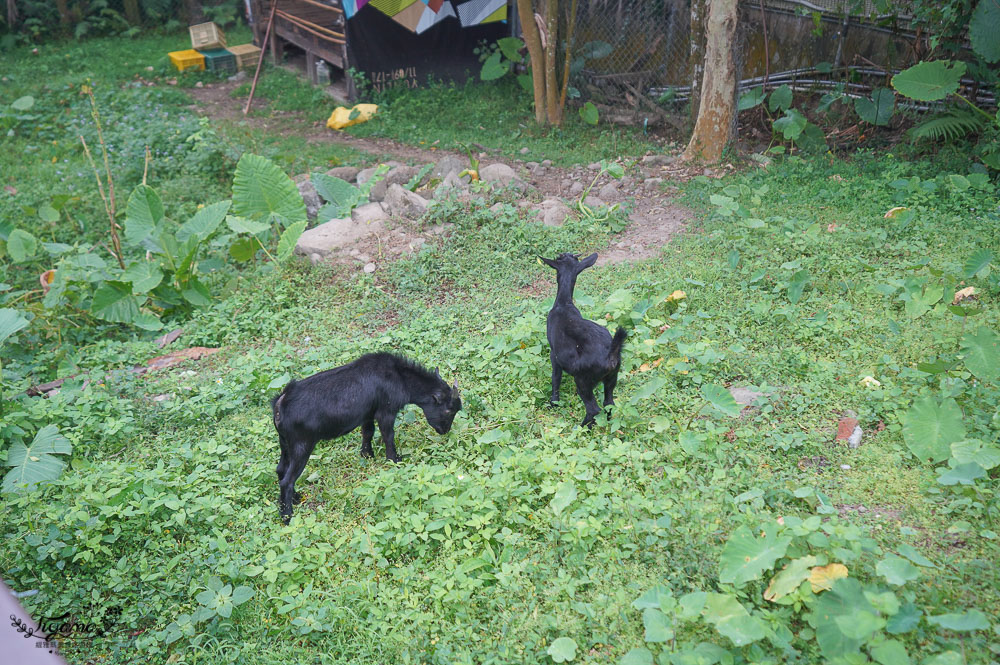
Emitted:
pixel 373 388
pixel 580 347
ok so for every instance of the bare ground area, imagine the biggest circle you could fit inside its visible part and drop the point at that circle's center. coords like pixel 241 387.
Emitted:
pixel 654 219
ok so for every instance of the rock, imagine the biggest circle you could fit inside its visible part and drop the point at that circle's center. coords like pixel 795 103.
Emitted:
pixel 369 213
pixel 309 195
pixel 416 244
pixel 652 183
pixel 448 164
pixel 398 175
pixel 595 202
pixel 846 427
pixel 401 202
pixel 199 84
pixel 532 165
pixel 547 163
pixel 594 166
pixel 554 212
pixel 658 160
pixel 708 173
pixel 854 440
pixel 364 175
pixel 354 252
pixel 438 229
pixel 497 173
pixel 744 396
pixel 369 268
pixel 566 183
pixel 238 76
pixel 333 235
pixel 315 258
pixel 363 258
pixel 576 189
pixel 525 151
pixel 496 208
pixel 347 173
pixel 609 192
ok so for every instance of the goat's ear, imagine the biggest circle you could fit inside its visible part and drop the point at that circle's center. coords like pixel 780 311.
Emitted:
pixel 437 372
pixel 549 262
pixel 586 262
pixel 454 388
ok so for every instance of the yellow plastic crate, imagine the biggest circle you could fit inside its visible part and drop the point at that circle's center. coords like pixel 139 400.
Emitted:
pixel 189 59
pixel 207 36
pixel 247 55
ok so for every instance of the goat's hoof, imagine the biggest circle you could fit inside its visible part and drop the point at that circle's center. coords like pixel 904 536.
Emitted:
pixel 297 498
pixel 553 404
pixel 368 454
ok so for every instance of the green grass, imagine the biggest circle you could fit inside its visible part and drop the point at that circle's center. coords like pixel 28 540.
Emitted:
pixel 499 116
pixel 516 528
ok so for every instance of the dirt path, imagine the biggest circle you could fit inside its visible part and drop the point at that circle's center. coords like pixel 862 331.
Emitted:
pixel 654 219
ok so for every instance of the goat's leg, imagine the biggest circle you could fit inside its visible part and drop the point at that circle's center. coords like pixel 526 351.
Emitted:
pixel 610 382
pixel 386 427
pixel 298 454
pixel 283 465
pixel 586 392
pixel 556 380
pixel 367 433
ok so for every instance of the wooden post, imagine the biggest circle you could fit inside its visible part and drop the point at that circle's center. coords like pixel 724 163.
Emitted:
pixel 260 61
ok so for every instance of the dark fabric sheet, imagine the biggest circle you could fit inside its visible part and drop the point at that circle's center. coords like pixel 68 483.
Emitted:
pixel 388 54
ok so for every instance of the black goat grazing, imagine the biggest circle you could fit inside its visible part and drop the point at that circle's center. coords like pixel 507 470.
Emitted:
pixel 580 347
pixel 373 388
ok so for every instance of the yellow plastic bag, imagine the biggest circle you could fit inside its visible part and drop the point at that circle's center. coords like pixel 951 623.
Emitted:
pixel 345 117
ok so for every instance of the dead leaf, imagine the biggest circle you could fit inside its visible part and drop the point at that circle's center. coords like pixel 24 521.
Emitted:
pixel 168 338
pixel 46 279
pixel 836 177
pixel 10 190
pixel 645 367
pixel 968 293
pixel 821 578
pixel 830 228
pixel 176 357
pixel 893 212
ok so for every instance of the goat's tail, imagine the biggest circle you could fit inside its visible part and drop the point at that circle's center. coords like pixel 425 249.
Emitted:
pixel 615 354
pixel 276 403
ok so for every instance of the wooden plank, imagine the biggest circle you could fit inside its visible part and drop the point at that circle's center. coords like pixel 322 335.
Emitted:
pixel 302 41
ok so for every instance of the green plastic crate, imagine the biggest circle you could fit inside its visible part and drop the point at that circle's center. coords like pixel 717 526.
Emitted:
pixel 219 60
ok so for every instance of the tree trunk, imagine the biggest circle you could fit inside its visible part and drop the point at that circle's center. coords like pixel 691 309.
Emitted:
pixel 11 13
pixel 193 10
pixel 63 8
pixel 570 28
pixel 551 47
pixel 132 12
pixel 718 91
pixel 696 56
pixel 533 40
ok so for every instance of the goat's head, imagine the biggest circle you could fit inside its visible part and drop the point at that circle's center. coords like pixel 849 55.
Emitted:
pixel 571 263
pixel 444 404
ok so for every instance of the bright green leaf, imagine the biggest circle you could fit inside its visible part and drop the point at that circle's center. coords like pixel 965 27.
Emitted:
pixel 732 620
pixel 896 570
pixel 143 213
pixel 244 225
pixel 262 192
pixel 978 264
pixel 929 428
pixel 649 389
pixel 657 625
pixel 21 245
pixel 11 322
pixel 290 236
pixel 114 302
pixel 984 30
pixel 565 495
pixel 721 399
pixel 205 222
pixel 890 652
pixel 982 354
pixel 493 68
pixel 790 577
pixel 929 81
pixel 144 276
pixel 589 113
pixel 961 623
pixel 34 464
pixel 637 656
pixel 745 556
pixel 781 99
pixel 562 650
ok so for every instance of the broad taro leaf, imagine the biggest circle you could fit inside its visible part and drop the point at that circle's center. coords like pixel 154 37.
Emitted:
pixel 114 302
pixel 263 192
pixel 143 213
pixel 11 322
pixel 204 222
pixel 732 620
pixel 930 427
pixel 745 556
pixel 984 30
pixel 929 81
pixel 35 464
pixel 290 236
pixel 982 354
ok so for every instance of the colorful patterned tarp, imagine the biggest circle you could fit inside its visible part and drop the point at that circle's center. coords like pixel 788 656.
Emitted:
pixel 420 15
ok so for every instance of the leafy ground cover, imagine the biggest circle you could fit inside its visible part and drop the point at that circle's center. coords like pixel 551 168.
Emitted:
pixel 681 529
